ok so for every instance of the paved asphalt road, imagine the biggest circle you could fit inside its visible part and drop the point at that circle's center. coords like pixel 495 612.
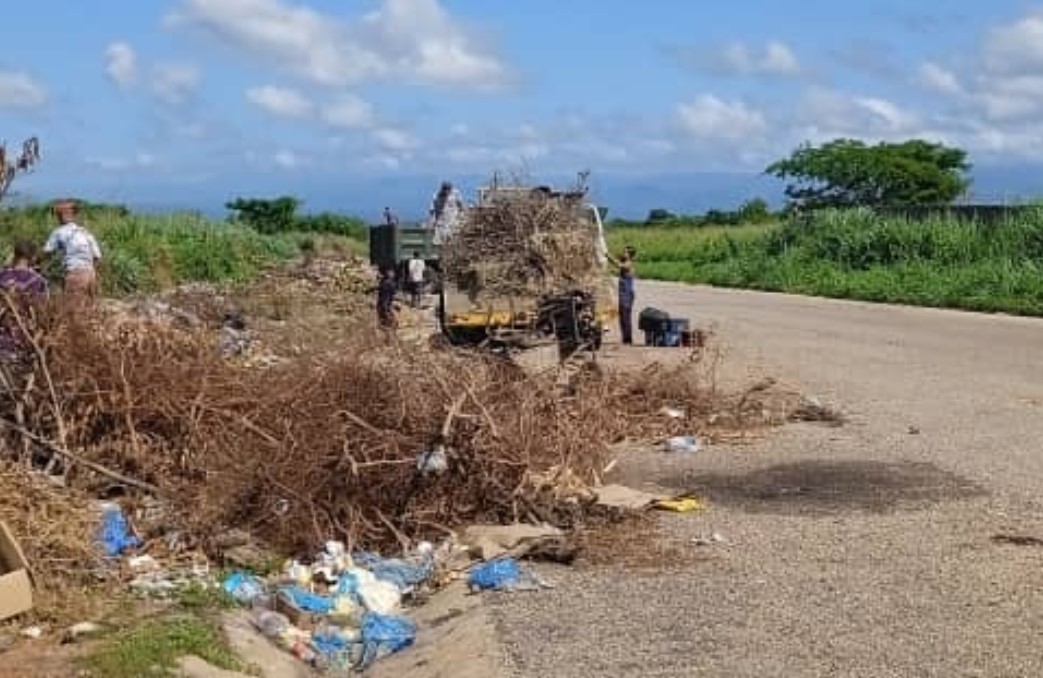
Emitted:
pixel 861 551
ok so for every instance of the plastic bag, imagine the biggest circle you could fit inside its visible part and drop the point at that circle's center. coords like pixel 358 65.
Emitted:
pixel 385 634
pixel 497 575
pixel 381 597
pixel 245 588
pixel 115 532
pixel 306 600
pixel 432 462
pixel 684 444
pixel 505 574
pixel 403 574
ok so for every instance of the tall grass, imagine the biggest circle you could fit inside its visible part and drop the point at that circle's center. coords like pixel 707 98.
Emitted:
pixel 143 253
pixel 938 261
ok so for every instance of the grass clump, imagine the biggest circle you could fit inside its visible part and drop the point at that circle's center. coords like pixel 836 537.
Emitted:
pixel 155 647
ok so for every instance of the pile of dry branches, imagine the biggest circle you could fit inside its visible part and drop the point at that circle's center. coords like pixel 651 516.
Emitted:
pixel 523 245
pixel 318 448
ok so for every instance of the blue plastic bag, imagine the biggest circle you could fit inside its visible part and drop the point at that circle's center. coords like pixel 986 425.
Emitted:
pixel 383 635
pixel 329 643
pixel 306 600
pixel 497 575
pixel 115 533
pixel 405 574
pixel 245 588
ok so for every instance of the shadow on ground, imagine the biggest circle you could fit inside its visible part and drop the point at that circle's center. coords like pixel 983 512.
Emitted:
pixel 831 487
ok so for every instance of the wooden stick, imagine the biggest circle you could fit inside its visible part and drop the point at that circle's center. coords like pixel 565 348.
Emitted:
pixel 485 412
pixel 447 427
pixel 97 468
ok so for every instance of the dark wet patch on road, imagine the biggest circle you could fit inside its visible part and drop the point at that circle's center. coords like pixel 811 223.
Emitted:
pixel 829 487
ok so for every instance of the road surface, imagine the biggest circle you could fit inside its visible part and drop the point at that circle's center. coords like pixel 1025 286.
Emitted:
pixel 865 550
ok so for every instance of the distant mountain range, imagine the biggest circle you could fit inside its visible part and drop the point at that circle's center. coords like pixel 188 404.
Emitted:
pixel 625 196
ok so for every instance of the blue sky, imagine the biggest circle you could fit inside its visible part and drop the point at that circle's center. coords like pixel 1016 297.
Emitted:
pixel 189 101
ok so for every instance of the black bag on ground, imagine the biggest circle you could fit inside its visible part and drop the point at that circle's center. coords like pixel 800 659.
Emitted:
pixel 652 320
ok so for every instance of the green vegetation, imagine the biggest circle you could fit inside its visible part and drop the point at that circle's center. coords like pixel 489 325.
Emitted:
pixel 849 173
pixel 145 253
pixel 279 215
pixel 755 211
pixel 154 648
pixel 939 261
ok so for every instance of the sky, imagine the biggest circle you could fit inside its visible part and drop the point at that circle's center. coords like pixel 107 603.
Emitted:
pixel 355 103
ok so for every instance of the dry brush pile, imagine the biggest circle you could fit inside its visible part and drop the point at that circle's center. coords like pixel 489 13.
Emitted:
pixel 324 446
pixel 524 244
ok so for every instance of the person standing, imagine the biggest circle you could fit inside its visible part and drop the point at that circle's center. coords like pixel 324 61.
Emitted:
pixel 25 287
pixel 389 217
pixel 625 264
pixel 386 299
pixel 416 278
pixel 20 277
pixel 79 253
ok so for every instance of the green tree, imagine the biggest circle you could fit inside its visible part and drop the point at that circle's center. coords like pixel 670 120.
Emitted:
pixel 265 216
pixel 755 211
pixel 658 215
pixel 848 172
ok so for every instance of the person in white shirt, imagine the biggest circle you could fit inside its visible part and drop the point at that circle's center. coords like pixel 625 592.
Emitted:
pixel 79 253
pixel 416 278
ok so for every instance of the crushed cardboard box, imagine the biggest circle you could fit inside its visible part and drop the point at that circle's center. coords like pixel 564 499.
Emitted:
pixel 16 589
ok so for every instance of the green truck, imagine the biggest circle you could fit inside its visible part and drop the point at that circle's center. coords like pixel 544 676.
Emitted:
pixel 394 245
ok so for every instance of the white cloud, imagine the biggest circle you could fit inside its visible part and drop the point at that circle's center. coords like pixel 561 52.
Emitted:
pixel 121 64
pixel 709 117
pixel 287 159
pixel 412 40
pixel 394 140
pixel 937 79
pixel 825 114
pixel 774 59
pixel 175 83
pixel 349 111
pixel 19 90
pixel 280 101
pixel 1017 48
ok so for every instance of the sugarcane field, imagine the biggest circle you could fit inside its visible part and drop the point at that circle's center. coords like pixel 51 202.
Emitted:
pixel 444 339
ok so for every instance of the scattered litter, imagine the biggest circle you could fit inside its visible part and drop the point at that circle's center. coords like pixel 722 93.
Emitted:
pixel 714 539
pixel 115 531
pixel 492 541
pixel 383 635
pixel 32 632
pixel 504 574
pixel 244 588
pixel 432 462
pixel 813 409
pixel 1017 540
pixel 683 444
pixel 685 504
pixel 672 413
pixel 16 587
pixel 81 630
pixel 141 564
pixel 618 496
